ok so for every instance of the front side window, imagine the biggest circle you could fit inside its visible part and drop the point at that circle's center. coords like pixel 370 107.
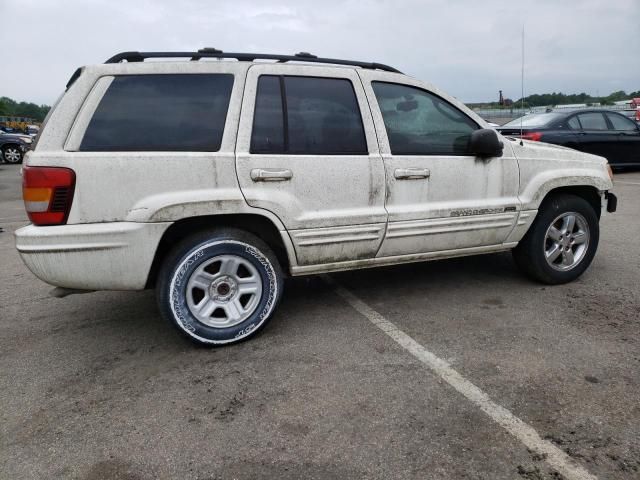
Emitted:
pixel 593 121
pixel 319 116
pixel 420 123
pixel 161 113
pixel 621 123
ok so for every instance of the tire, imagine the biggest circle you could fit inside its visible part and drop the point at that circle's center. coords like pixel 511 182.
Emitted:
pixel 12 154
pixel 219 286
pixel 542 254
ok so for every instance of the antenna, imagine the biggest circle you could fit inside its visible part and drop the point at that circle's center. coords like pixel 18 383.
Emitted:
pixel 522 86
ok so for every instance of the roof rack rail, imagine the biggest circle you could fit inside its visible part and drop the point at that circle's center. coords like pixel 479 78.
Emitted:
pixel 246 57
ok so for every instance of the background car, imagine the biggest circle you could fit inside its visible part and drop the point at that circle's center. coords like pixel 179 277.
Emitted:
pixel 13 147
pixel 600 132
pixel 32 130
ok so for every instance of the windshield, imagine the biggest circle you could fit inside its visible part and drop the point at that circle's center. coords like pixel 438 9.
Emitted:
pixel 534 120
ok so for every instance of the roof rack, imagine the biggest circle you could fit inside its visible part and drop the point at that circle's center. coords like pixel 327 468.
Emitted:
pixel 246 57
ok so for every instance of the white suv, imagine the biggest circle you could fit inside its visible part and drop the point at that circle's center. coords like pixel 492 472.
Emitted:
pixel 213 180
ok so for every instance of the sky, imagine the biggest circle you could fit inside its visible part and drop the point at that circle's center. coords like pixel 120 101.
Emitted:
pixel 469 48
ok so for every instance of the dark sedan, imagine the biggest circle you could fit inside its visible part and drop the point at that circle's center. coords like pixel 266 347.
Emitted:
pixel 13 147
pixel 601 132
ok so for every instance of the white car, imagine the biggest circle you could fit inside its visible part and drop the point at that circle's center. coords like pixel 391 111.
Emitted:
pixel 212 181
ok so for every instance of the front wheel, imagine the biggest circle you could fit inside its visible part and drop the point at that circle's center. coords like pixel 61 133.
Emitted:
pixel 12 154
pixel 220 286
pixel 562 241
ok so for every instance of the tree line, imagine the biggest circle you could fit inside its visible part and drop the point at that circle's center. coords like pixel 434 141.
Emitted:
pixel 541 100
pixel 557 98
pixel 9 107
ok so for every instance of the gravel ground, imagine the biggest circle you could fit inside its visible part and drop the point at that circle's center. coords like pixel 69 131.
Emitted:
pixel 96 386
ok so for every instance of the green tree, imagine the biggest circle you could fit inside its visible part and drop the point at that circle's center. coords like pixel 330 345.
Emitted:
pixel 616 96
pixel 10 107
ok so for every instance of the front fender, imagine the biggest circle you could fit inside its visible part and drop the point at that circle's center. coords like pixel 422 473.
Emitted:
pixel 539 186
pixel 545 167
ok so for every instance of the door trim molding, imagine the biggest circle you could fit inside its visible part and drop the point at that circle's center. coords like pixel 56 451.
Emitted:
pixel 397 259
pixel 449 225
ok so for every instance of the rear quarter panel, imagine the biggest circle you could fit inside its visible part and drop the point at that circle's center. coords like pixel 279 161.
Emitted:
pixel 142 186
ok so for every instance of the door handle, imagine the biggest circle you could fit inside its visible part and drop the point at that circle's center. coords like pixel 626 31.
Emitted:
pixel 270 175
pixel 411 173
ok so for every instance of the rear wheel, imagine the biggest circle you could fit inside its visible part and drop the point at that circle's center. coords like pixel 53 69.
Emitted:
pixel 12 154
pixel 220 286
pixel 562 241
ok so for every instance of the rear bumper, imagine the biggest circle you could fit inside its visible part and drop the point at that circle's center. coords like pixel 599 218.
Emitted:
pixel 98 256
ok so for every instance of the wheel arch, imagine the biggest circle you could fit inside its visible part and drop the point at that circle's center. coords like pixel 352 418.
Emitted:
pixel 589 193
pixel 256 224
pixel 584 181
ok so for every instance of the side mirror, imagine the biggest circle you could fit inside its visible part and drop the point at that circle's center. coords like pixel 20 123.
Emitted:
pixel 485 143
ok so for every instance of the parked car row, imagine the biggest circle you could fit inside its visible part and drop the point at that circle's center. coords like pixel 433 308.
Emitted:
pixel 31 130
pixel 600 132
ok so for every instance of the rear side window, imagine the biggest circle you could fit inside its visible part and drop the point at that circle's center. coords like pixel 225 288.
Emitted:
pixel 621 123
pixel 420 123
pixel 593 121
pixel 318 116
pixel 161 113
pixel 574 123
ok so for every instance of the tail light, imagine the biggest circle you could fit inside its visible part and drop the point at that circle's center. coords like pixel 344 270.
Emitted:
pixel 48 194
pixel 534 136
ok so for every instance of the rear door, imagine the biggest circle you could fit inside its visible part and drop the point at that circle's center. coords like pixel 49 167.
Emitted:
pixel 307 152
pixel 628 138
pixel 439 196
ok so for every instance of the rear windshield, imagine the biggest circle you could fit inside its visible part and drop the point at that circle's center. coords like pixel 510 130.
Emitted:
pixel 534 120
pixel 161 113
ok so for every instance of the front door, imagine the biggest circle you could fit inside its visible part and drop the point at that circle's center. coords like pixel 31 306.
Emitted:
pixel 307 152
pixel 439 196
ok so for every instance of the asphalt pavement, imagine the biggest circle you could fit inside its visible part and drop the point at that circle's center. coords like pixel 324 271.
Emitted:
pixel 97 386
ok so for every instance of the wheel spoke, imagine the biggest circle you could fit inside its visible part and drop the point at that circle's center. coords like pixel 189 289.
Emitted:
pixel 229 266
pixel 201 280
pixel 567 257
pixel 579 238
pixel 568 223
pixel 206 307
pixel 553 253
pixel 554 233
pixel 234 310
pixel 248 285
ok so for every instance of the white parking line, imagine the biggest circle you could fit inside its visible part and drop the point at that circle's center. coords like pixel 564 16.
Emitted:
pixel 625 183
pixel 507 420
